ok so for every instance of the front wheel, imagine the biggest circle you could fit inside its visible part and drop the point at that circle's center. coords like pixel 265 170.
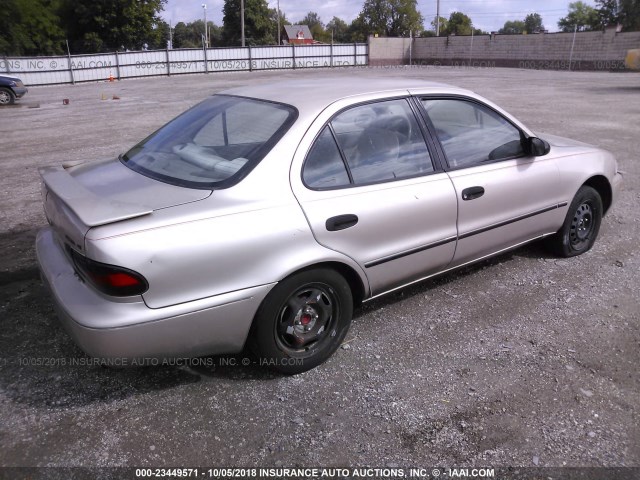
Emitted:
pixel 581 225
pixel 6 97
pixel 303 321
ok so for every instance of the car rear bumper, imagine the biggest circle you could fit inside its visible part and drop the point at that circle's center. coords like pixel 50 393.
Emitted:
pixel 131 330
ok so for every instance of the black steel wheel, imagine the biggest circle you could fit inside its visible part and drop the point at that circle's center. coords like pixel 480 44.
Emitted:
pixel 6 97
pixel 581 225
pixel 303 321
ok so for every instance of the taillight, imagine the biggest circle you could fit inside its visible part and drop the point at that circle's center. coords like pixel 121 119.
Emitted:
pixel 109 279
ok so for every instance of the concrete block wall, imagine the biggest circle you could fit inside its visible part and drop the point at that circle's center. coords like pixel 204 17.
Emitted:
pixel 591 51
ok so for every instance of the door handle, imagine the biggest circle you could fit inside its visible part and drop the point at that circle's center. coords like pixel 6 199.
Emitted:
pixel 341 222
pixel 472 192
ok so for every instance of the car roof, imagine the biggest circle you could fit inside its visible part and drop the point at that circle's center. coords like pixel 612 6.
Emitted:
pixel 317 93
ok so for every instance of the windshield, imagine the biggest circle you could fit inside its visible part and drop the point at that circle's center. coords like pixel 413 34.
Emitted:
pixel 212 145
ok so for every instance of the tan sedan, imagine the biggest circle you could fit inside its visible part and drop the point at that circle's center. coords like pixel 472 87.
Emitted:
pixel 264 214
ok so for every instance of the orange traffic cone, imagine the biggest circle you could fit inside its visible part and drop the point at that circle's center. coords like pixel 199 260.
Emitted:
pixel 111 78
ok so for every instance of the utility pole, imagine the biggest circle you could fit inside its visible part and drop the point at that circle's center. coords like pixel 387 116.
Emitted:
pixel 206 34
pixel 242 21
pixel 278 22
pixel 438 18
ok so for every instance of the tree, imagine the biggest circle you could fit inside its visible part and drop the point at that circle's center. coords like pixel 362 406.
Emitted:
pixel 608 12
pixel 313 21
pixel 273 16
pixel 258 27
pixel 190 35
pixel 339 30
pixel 160 37
pixel 391 18
pixel 580 14
pixel 630 14
pixel 458 24
pixel 30 27
pixel 533 23
pixel 443 24
pixel 513 27
pixel 358 31
pixel 182 37
pixel 93 26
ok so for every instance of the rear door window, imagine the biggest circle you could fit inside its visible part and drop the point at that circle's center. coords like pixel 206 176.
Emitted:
pixel 370 143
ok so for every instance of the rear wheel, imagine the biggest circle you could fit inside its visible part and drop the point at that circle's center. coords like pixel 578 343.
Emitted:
pixel 303 321
pixel 6 97
pixel 581 225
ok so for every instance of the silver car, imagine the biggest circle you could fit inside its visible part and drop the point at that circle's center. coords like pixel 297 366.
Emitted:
pixel 264 214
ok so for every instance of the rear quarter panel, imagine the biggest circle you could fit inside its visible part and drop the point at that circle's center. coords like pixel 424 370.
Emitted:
pixel 248 235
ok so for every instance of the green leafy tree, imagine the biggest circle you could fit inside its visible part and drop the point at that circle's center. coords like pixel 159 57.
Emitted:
pixel 273 16
pixel 358 31
pixel 630 14
pixel 258 26
pixel 443 24
pixel 608 12
pixel 391 18
pixel 533 23
pixel 30 27
pixel 160 36
pixel 338 29
pixel 513 27
pixel 96 26
pixel 458 24
pixel 215 35
pixel 623 12
pixel 182 36
pixel 313 21
pixel 189 35
pixel 582 15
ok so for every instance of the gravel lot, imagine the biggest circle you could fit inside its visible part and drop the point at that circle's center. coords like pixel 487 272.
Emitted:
pixel 524 360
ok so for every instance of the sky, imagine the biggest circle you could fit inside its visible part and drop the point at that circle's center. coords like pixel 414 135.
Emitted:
pixel 488 15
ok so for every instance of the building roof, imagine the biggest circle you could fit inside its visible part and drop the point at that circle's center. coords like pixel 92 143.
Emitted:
pixel 293 30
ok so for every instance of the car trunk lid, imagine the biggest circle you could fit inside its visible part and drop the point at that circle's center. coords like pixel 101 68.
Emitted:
pixel 104 192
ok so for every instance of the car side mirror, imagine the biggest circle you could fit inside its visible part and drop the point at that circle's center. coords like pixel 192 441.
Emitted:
pixel 537 147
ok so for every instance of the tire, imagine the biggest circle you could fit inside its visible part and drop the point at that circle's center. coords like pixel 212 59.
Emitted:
pixel 303 320
pixel 6 97
pixel 581 225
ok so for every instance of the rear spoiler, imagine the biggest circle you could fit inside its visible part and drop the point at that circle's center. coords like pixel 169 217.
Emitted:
pixel 91 209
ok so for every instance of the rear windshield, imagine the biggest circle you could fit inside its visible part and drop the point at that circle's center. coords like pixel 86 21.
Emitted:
pixel 212 145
